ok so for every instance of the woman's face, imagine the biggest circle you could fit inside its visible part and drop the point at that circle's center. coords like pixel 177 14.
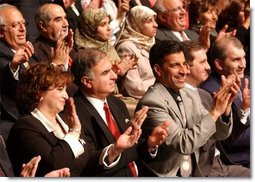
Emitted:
pixel 209 17
pixel 104 30
pixel 150 27
pixel 54 99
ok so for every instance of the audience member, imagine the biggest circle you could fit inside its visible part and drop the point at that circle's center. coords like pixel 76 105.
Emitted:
pixel 167 99
pixel 15 53
pixel 172 21
pixel 237 16
pixel 104 117
pixel 41 95
pixel 204 12
pixel 28 9
pixel 137 39
pixel 195 56
pixel 94 32
pixel 55 43
pixel 116 9
pixel 228 57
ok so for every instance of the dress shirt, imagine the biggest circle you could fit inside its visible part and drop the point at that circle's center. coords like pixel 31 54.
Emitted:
pixel 99 106
pixel 179 36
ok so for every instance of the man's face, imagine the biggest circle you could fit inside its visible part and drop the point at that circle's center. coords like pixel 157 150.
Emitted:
pixel 58 23
pixel 235 62
pixel 200 69
pixel 173 72
pixel 15 30
pixel 103 79
pixel 175 16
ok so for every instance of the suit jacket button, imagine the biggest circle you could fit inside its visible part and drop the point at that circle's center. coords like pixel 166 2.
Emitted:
pixel 76 171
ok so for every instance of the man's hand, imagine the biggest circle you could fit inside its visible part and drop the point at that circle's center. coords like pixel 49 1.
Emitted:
pixel 158 136
pixel 64 172
pixel 138 118
pixel 64 45
pixel 22 55
pixel 246 94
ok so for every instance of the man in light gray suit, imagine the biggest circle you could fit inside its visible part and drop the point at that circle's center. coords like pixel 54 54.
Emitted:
pixel 190 130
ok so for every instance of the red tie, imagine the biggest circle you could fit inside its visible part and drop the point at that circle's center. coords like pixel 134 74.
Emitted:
pixel 113 127
pixel 70 61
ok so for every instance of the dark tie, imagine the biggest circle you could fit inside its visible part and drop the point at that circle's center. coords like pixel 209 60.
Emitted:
pixel 113 127
pixel 182 110
pixel 186 164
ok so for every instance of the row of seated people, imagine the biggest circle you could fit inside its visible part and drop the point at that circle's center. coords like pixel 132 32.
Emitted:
pixel 95 133
pixel 133 29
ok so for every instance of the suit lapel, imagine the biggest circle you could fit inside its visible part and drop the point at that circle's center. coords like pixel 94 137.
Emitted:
pixel 118 117
pixel 187 106
pixel 170 102
pixel 93 112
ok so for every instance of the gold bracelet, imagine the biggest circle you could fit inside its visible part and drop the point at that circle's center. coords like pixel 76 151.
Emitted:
pixel 77 130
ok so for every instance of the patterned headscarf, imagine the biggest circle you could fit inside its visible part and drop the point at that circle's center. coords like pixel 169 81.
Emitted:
pixel 86 35
pixel 135 21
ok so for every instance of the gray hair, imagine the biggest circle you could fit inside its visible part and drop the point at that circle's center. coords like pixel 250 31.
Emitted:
pixel 42 15
pixel 2 16
pixel 160 6
pixel 86 60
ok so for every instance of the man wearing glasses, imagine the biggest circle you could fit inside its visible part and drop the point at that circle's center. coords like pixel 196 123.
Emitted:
pixel 15 53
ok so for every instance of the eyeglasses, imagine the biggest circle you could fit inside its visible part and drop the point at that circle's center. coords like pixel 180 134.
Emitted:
pixel 18 24
pixel 176 9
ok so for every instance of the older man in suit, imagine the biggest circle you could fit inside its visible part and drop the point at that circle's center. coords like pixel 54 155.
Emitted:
pixel 227 58
pixel 15 53
pixel 104 117
pixel 172 21
pixel 192 125
pixel 209 160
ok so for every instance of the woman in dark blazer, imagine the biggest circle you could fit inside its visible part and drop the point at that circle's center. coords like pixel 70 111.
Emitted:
pixel 41 95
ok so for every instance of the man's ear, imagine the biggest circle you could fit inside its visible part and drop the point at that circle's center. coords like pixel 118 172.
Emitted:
pixel 161 17
pixel 42 26
pixel 157 70
pixel 86 81
pixel 218 64
pixel 1 33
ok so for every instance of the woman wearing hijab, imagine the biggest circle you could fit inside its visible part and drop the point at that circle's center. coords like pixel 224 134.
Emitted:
pixel 136 39
pixel 94 32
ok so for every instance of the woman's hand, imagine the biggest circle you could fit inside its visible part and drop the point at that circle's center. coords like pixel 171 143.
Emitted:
pixel 29 169
pixel 72 118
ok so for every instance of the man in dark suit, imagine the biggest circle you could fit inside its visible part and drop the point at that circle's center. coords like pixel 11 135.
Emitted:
pixel 227 58
pixel 53 26
pixel 15 53
pixel 171 18
pixel 96 80
pixel 209 160
pixel 191 124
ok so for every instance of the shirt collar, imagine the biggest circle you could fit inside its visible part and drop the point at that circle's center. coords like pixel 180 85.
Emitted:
pixel 48 125
pixel 190 87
